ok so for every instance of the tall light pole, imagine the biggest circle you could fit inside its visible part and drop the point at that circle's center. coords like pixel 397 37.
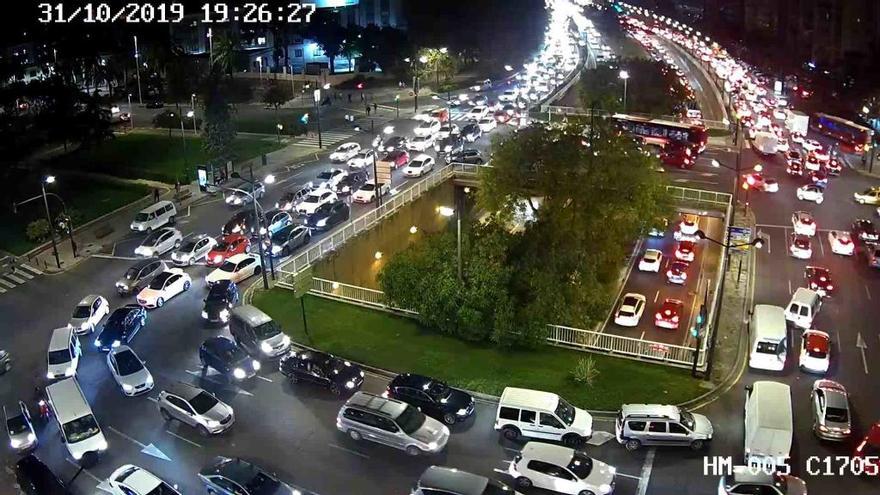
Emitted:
pixel 130 114
pixel 260 66
pixel 625 76
pixel 448 212
pixel 443 51
pixel 192 103
pixel 137 66
pixel 49 179
pixel 317 95
pixel 211 46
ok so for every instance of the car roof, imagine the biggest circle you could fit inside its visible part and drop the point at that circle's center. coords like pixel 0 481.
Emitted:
pixel 251 314
pixel 745 474
pixel 376 403
pixel 218 344
pixel 453 480
pixel 523 397
pixel 88 300
pixel 142 263
pixel 139 479
pixel 651 410
pixel 60 339
pixel 411 380
pixel 554 454
pixel 183 390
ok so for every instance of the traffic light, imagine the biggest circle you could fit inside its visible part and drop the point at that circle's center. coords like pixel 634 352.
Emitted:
pixel 304 119
pixel 699 322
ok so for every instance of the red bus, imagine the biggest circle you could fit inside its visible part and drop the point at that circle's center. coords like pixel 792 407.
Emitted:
pixel 663 132
pixel 847 132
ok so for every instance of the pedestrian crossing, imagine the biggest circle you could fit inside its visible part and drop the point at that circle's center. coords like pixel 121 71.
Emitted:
pixel 328 138
pixel 16 275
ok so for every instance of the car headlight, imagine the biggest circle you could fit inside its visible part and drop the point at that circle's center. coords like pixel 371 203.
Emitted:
pixel 224 315
pixel 461 412
pixel 263 231
pixel 84 325
pixel 239 373
pixel 211 423
pixel 265 347
pixel 204 314
pixel 349 384
pixel 432 445
pixel 101 446
pixel 121 285
pixel 149 380
pixel 15 443
pixel 127 388
pixel 50 375
pixel 97 342
pixel 346 189
pixel 116 343
pixel 604 488
pixel 256 365
pixel 322 222
pixel 285 340
pixel 147 251
pixel 31 438
pixel 69 371
pixel 77 455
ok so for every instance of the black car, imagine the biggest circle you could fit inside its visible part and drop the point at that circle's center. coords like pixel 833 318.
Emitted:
pixel 228 359
pixel 241 477
pixel 121 326
pixel 222 296
pixel 863 229
pixel 290 198
pixel 138 275
pixel 323 369
pixel 471 156
pixel 432 397
pixel 243 222
pixel 328 215
pixel 471 132
pixel 288 239
pixel 394 143
pixel 35 478
pixel 352 182
pixel 451 144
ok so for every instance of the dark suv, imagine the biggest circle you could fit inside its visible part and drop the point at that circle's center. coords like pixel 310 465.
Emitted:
pixel 138 275
pixel 470 156
pixel 121 326
pixel 221 298
pixel 322 369
pixel 227 359
pixel 432 397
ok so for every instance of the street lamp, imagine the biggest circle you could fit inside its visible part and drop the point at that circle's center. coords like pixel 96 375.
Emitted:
pixel 625 76
pixel 211 45
pixel 137 66
pixel 317 97
pixel 50 179
pixel 448 212
pixel 257 207
pixel 260 66
pixel 192 104
pixel 280 128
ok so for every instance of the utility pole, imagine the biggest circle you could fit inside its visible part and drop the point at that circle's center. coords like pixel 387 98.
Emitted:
pixel 137 66
pixel 49 218
pixel 318 116
pixel 259 227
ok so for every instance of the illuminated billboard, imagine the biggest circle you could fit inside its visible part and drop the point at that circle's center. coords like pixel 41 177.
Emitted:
pixel 321 4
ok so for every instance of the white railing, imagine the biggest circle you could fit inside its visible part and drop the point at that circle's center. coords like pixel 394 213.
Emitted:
pixel 699 196
pixel 352 293
pixel 288 270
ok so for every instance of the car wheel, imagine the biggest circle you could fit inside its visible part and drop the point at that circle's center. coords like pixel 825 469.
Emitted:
pixel 586 492
pixel 187 285
pixel 697 445
pixel 165 414
pixel 819 201
pixel 632 445
pixel 413 451
pixel 160 302
pixel 335 390
pixel 523 482
pixel 285 251
pixel 355 435
pixel 860 201
pixel 257 270
pixel 449 419
pixel 510 433
pixel 572 440
pixel 308 238
pixel 204 431
pixel 293 378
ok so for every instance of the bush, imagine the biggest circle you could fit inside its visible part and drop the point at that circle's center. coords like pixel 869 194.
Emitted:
pixel 38 230
pixel 585 371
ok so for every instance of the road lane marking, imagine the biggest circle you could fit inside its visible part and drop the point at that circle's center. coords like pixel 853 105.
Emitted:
pixel 642 337
pixel 153 399
pixel 861 345
pixel 867 292
pixel 226 386
pixel 123 435
pixel 618 473
pixel 175 435
pixel 264 378
pixel 839 346
pixel 364 456
pixel 656 296
pixel 114 257
pixel 789 287
pixel 646 473
pixel 821 246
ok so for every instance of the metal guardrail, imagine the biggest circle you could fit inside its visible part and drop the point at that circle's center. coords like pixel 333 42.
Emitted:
pixel 699 196
pixel 607 343
pixel 352 293
pixel 551 110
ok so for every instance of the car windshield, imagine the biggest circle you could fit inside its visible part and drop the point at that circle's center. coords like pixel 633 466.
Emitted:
pixel 59 357
pixel 80 429
pixel 223 246
pixel 565 411
pixel 312 198
pixel 580 465
pixel 326 174
pixel 262 484
pixel 687 419
pixel 368 187
pixel 817 352
pixel 228 267
pixel 496 488
pixel 82 311
pixel 152 238
pixel 410 420
pixel 203 402
pixel 438 390
pixel 16 425
pixel 131 273
pixel 267 330
pixel 128 363
pixel 188 246
pixel 767 348
pixel 837 415
pixel 159 282
pixel 142 217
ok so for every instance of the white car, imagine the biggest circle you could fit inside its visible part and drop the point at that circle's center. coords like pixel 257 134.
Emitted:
pixel 159 242
pixel 163 287
pixel 561 470
pixel 841 243
pixel 689 225
pixel 508 95
pixel 193 249
pixel 800 247
pixel 331 178
pixel 345 152
pixel 821 154
pixel 367 192
pixel 477 113
pixel 419 166
pixel 630 310
pixel 132 480
pixel 815 352
pixel 129 371
pixel 236 268
pixel 364 158
pixel 651 261
pixel 811 145
pixel 88 313
pixel 782 145
pixel 427 128
pixel 447 130
pixel 803 223
pixel 811 192
pixel 420 143
pixel 487 124
pixel 314 200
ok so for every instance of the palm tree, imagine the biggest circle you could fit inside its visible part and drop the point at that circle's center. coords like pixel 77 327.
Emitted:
pixel 225 55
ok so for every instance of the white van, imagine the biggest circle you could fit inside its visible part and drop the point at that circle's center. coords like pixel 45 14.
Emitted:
pixel 63 354
pixel 769 338
pixel 154 216
pixel 79 428
pixel 768 424
pixel 804 306
pixel 530 413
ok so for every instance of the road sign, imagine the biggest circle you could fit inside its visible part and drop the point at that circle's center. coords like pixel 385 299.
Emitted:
pixel 383 172
pixel 302 282
pixel 740 237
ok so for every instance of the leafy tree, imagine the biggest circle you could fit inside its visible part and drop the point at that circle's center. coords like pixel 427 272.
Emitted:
pixel 92 122
pixel 225 58
pixel 219 129
pixel 328 33
pixel 274 94
pixel 37 230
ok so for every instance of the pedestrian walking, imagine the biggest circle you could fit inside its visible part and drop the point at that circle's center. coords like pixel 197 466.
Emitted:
pixel 368 110
pixel 155 195
pixel 177 187
pixel 349 97
pixel 375 107
pixel 362 96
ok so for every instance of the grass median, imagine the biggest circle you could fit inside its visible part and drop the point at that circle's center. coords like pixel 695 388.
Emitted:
pixel 400 344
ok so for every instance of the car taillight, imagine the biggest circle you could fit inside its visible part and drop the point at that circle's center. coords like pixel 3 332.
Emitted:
pixel 830 287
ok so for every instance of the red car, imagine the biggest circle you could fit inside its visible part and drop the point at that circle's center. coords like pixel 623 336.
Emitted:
pixel 669 314
pixel 399 158
pixel 794 169
pixel 677 273
pixel 868 451
pixel 819 280
pixel 833 166
pixel 685 251
pixel 227 247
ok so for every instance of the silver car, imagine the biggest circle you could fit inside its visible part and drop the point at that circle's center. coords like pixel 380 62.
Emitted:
pixel 88 313
pixel 194 249
pixel 129 371
pixel 830 405
pixel 197 408
pixel 391 422
pixel 20 428
pixel 159 242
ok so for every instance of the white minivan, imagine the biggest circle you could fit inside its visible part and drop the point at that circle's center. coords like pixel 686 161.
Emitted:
pixel 154 216
pixel 79 428
pixel 63 354
pixel 769 338
pixel 531 413
pixel 804 306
